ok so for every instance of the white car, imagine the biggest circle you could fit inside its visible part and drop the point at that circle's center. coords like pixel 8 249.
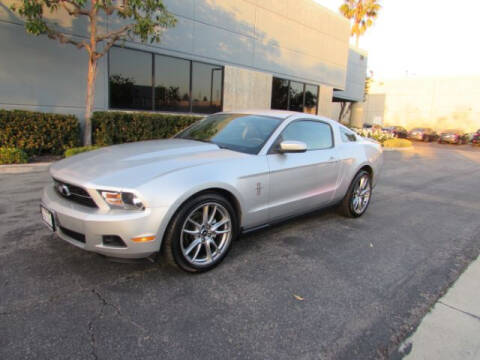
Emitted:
pixel 189 197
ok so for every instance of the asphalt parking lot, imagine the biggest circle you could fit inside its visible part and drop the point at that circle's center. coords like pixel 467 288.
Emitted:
pixel 365 283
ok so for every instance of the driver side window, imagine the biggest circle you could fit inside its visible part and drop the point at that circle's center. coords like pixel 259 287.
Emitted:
pixel 315 134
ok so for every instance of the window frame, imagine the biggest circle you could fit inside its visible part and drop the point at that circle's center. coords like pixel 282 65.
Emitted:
pixel 153 54
pixel 275 143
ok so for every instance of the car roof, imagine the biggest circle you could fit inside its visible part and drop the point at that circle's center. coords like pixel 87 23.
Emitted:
pixel 280 114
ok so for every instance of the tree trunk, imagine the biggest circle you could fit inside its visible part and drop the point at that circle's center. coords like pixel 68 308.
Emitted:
pixel 342 110
pixel 90 101
pixel 91 76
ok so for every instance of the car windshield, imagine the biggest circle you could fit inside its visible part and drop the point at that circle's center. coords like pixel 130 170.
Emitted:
pixel 238 132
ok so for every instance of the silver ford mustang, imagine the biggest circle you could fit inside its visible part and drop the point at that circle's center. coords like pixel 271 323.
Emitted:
pixel 191 196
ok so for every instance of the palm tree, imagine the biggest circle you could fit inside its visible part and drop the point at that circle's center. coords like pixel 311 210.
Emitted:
pixel 361 14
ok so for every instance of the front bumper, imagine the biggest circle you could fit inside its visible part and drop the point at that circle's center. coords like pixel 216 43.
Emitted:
pixel 74 221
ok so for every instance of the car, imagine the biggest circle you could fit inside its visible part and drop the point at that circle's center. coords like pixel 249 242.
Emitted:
pixel 453 136
pixel 397 131
pixel 423 134
pixel 476 138
pixel 189 197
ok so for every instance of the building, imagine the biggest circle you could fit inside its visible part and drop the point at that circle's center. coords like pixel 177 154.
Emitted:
pixel 222 55
pixel 436 102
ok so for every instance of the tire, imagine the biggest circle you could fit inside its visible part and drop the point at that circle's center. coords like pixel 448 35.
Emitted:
pixel 347 206
pixel 185 243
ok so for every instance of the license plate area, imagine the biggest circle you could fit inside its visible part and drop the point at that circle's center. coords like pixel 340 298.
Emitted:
pixel 47 217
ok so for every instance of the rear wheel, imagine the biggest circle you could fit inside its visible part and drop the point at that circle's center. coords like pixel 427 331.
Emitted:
pixel 201 233
pixel 358 196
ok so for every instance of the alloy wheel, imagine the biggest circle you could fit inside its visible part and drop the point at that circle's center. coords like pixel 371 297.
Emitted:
pixel 361 194
pixel 206 234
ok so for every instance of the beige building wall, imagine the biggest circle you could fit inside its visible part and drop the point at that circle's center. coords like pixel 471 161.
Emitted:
pixel 325 105
pixel 246 89
pixel 374 109
pixel 439 103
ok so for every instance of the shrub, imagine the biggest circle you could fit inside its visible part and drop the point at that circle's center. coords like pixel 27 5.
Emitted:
pixel 397 143
pixel 110 128
pixel 12 156
pixel 375 134
pixel 78 150
pixel 38 133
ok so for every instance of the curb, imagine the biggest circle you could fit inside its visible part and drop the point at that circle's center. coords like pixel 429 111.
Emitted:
pixel 24 168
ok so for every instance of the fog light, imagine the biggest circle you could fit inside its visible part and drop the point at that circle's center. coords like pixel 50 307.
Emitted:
pixel 113 241
pixel 142 239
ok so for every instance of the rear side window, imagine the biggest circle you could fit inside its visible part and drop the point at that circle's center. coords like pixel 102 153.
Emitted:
pixel 317 135
pixel 347 135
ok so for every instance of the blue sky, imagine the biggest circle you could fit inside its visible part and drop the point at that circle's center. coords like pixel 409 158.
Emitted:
pixel 422 38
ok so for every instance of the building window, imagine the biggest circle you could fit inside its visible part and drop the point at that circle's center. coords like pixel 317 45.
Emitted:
pixel 172 84
pixel 280 94
pixel 311 99
pixel 206 88
pixel 141 80
pixel 130 79
pixel 294 96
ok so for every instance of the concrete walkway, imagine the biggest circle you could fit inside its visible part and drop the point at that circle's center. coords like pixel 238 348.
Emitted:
pixel 452 329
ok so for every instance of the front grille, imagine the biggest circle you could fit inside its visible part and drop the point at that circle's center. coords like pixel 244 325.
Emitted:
pixel 74 193
pixel 73 234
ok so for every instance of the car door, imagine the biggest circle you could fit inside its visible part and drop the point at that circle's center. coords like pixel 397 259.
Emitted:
pixel 300 182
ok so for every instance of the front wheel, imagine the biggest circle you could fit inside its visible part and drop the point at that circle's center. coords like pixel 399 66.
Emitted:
pixel 358 196
pixel 201 233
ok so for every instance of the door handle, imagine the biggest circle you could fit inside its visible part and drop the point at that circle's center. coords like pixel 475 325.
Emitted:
pixel 332 159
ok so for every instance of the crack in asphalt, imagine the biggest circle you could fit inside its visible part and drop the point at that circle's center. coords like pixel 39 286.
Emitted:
pixel 104 303
pixel 68 294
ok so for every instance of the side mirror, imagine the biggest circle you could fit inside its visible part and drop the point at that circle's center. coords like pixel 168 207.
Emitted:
pixel 292 147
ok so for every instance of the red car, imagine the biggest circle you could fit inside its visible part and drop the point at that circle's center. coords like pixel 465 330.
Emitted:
pixel 476 138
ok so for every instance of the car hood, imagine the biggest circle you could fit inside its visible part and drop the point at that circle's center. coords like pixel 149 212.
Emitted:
pixel 130 165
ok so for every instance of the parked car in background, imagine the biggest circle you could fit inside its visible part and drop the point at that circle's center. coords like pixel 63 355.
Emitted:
pixel 476 138
pixel 423 134
pixel 192 195
pixel 453 136
pixel 397 131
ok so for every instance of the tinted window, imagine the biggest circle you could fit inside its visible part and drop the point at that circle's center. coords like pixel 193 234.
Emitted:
pixel 311 99
pixel 172 84
pixel 238 132
pixel 347 135
pixel 317 135
pixel 279 94
pixel 144 81
pixel 130 79
pixel 206 88
pixel 296 96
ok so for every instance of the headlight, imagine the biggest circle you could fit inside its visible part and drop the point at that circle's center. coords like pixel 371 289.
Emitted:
pixel 122 200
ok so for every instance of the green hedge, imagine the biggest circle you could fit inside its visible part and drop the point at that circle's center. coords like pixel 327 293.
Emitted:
pixel 79 150
pixel 110 128
pixel 38 133
pixel 12 156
